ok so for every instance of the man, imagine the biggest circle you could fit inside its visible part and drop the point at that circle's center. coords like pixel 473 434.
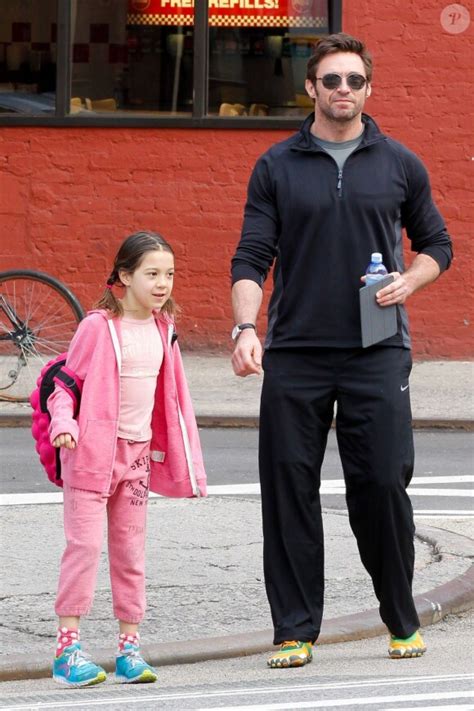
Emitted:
pixel 319 203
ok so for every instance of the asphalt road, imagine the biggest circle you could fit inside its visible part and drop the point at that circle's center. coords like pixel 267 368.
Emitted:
pixel 355 675
pixel 442 480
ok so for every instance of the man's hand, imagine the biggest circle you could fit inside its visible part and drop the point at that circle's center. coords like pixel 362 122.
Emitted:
pixel 395 293
pixel 64 440
pixel 422 271
pixel 247 355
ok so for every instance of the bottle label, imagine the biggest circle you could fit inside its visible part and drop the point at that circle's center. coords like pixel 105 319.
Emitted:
pixel 373 278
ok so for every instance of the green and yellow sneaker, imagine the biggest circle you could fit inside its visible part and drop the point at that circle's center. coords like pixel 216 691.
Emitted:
pixel 406 648
pixel 291 654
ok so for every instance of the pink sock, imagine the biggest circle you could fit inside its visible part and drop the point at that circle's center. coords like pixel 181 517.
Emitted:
pixel 66 636
pixel 128 639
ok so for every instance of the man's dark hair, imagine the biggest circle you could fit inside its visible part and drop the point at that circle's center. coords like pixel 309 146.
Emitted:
pixel 339 42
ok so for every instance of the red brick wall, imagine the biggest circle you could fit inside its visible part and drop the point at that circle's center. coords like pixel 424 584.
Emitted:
pixel 422 96
pixel 69 196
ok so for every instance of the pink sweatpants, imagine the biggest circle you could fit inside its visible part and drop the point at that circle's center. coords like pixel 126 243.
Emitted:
pixel 84 515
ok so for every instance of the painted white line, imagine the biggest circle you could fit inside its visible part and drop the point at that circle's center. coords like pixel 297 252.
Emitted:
pixel 464 493
pixel 455 479
pixel 327 488
pixel 443 517
pixel 444 511
pixel 460 493
pixel 28 499
pixel 24 499
pixel 333 703
pixel 233 489
pixel 257 691
pixel 418 480
pixel 57 497
pixel 456 707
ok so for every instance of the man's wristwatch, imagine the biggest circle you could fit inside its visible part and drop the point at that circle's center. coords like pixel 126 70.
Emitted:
pixel 237 330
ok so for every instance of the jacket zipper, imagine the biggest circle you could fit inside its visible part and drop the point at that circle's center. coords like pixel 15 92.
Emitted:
pixel 184 433
pixel 118 357
pixel 339 174
pixel 340 170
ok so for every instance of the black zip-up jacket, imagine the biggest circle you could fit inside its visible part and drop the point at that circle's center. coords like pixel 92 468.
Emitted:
pixel 321 226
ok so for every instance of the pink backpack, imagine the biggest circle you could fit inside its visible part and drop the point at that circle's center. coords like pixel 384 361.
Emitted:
pixel 54 372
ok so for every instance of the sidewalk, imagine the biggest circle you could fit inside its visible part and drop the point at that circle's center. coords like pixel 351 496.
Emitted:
pixel 206 598
pixel 441 394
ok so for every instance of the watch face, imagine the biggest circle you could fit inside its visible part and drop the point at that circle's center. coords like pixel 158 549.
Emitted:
pixel 235 332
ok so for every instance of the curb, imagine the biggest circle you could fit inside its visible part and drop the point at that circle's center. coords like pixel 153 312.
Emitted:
pixel 252 422
pixel 418 423
pixel 453 597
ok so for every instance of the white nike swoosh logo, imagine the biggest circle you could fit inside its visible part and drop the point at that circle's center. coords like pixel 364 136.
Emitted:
pixel 403 388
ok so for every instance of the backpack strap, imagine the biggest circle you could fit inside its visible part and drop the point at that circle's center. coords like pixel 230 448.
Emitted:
pixel 172 335
pixel 68 381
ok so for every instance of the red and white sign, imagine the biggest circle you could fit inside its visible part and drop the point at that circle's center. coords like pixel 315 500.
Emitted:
pixel 231 13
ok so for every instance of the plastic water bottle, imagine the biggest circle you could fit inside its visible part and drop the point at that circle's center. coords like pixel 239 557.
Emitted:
pixel 376 270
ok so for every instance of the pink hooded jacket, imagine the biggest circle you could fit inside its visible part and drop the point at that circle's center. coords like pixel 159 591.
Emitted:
pixel 94 355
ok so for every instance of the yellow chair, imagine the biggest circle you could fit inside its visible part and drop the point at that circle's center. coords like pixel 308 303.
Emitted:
pixel 76 105
pixel 304 101
pixel 103 105
pixel 232 110
pixel 258 110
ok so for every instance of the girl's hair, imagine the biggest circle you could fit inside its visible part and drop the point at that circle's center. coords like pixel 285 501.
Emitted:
pixel 128 259
pixel 339 42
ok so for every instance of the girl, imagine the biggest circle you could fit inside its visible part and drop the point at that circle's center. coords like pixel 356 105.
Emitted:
pixel 135 431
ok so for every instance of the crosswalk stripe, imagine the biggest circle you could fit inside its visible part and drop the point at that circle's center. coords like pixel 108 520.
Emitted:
pixel 262 691
pixel 246 490
pixel 333 703
pixel 420 480
pixel 444 517
pixel 450 707
pixel 465 493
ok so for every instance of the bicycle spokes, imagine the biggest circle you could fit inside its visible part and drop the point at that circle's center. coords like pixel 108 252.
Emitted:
pixel 38 317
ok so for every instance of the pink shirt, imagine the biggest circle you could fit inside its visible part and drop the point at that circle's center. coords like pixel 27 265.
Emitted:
pixel 142 356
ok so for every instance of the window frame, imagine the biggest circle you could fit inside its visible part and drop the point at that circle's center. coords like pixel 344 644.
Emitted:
pixel 199 117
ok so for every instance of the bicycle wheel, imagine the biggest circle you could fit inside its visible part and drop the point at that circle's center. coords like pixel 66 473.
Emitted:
pixel 38 317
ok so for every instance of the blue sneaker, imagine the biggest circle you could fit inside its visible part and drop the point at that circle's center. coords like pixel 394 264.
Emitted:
pixel 74 668
pixel 131 668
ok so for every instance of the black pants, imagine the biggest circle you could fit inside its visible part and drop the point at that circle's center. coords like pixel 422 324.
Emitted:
pixel 374 434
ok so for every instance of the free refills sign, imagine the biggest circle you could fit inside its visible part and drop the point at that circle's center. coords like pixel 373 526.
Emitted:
pixel 248 13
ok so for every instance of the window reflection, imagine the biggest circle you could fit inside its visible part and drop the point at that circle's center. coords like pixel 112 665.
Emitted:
pixel 126 57
pixel 136 56
pixel 28 56
pixel 257 57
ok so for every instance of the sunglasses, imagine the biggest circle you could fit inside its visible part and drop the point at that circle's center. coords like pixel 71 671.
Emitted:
pixel 333 81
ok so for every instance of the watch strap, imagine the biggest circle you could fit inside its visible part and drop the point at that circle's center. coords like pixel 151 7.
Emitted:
pixel 237 330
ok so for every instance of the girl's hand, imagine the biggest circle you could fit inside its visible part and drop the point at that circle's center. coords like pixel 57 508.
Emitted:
pixel 64 440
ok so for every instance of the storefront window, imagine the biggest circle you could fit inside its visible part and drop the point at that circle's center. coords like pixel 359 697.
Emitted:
pixel 28 31
pixel 258 50
pixel 173 62
pixel 130 56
